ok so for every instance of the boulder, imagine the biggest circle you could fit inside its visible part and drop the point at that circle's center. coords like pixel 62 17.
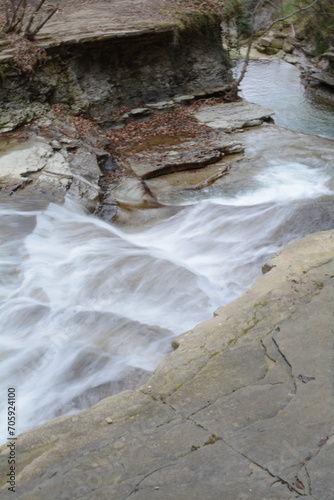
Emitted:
pixel 265 41
pixel 41 168
pixel 287 47
pixel 230 116
pixel 175 154
pixel 134 193
pixel 277 43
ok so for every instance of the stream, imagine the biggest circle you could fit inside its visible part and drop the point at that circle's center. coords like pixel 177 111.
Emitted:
pixel 90 308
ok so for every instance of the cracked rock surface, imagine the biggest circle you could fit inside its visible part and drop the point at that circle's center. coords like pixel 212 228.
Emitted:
pixel 241 410
pixel 230 116
pixel 40 168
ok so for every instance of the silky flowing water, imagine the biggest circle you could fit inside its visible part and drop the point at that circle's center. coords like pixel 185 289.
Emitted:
pixel 89 308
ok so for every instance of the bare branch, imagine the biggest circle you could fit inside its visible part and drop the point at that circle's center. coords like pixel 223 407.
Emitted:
pixel 301 9
pixel 18 19
pixel 33 15
pixel 14 21
pixel 250 43
pixel 7 14
pixel 251 38
pixel 32 34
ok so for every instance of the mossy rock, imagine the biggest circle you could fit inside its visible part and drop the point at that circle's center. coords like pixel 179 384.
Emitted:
pixel 277 43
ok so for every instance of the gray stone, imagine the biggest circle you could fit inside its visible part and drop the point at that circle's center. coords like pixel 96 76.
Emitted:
pixel 265 41
pixel 162 106
pixel 24 158
pixel 230 116
pixel 179 154
pixel 139 113
pixel 183 99
pixel 324 77
pixel 290 59
pixel 133 193
pixel 83 70
pixel 40 167
pixel 287 47
pixel 328 55
pixel 56 145
pixel 182 160
pixel 277 43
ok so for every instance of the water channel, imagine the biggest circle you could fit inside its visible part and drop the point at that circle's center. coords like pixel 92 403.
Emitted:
pixel 90 308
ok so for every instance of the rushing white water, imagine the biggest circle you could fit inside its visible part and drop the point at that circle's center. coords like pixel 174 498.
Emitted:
pixel 83 303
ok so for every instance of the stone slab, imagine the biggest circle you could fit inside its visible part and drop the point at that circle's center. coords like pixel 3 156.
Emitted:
pixel 230 116
pixel 176 154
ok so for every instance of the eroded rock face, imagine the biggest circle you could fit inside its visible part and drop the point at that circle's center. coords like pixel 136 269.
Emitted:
pixel 101 71
pixel 243 408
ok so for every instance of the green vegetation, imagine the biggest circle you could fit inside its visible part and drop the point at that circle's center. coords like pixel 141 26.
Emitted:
pixel 203 16
pixel 239 14
pixel 317 25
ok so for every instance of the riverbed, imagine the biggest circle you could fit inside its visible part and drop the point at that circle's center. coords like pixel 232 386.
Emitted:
pixel 90 308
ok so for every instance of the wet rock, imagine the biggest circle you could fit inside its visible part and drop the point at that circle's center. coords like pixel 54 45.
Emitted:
pixel 177 154
pixel 173 161
pixel 139 113
pixel 39 167
pixel 84 164
pixel 133 193
pixel 56 176
pixel 171 188
pixel 323 77
pixel 290 59
pixel 86 174
pixel 162 106
pixel 23 159
pixel 110 165
pixel 230 116
pixel 184 99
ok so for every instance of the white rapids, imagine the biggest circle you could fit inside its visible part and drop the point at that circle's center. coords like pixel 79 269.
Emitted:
pixel 84 303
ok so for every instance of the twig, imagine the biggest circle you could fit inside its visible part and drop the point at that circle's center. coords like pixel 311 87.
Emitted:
pixel 250 41
pixel 32 34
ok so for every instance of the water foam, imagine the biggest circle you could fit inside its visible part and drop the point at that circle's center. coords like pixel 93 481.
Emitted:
pixel 84 302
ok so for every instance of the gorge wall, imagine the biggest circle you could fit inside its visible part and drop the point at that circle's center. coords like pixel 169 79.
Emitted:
pixel 100 72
